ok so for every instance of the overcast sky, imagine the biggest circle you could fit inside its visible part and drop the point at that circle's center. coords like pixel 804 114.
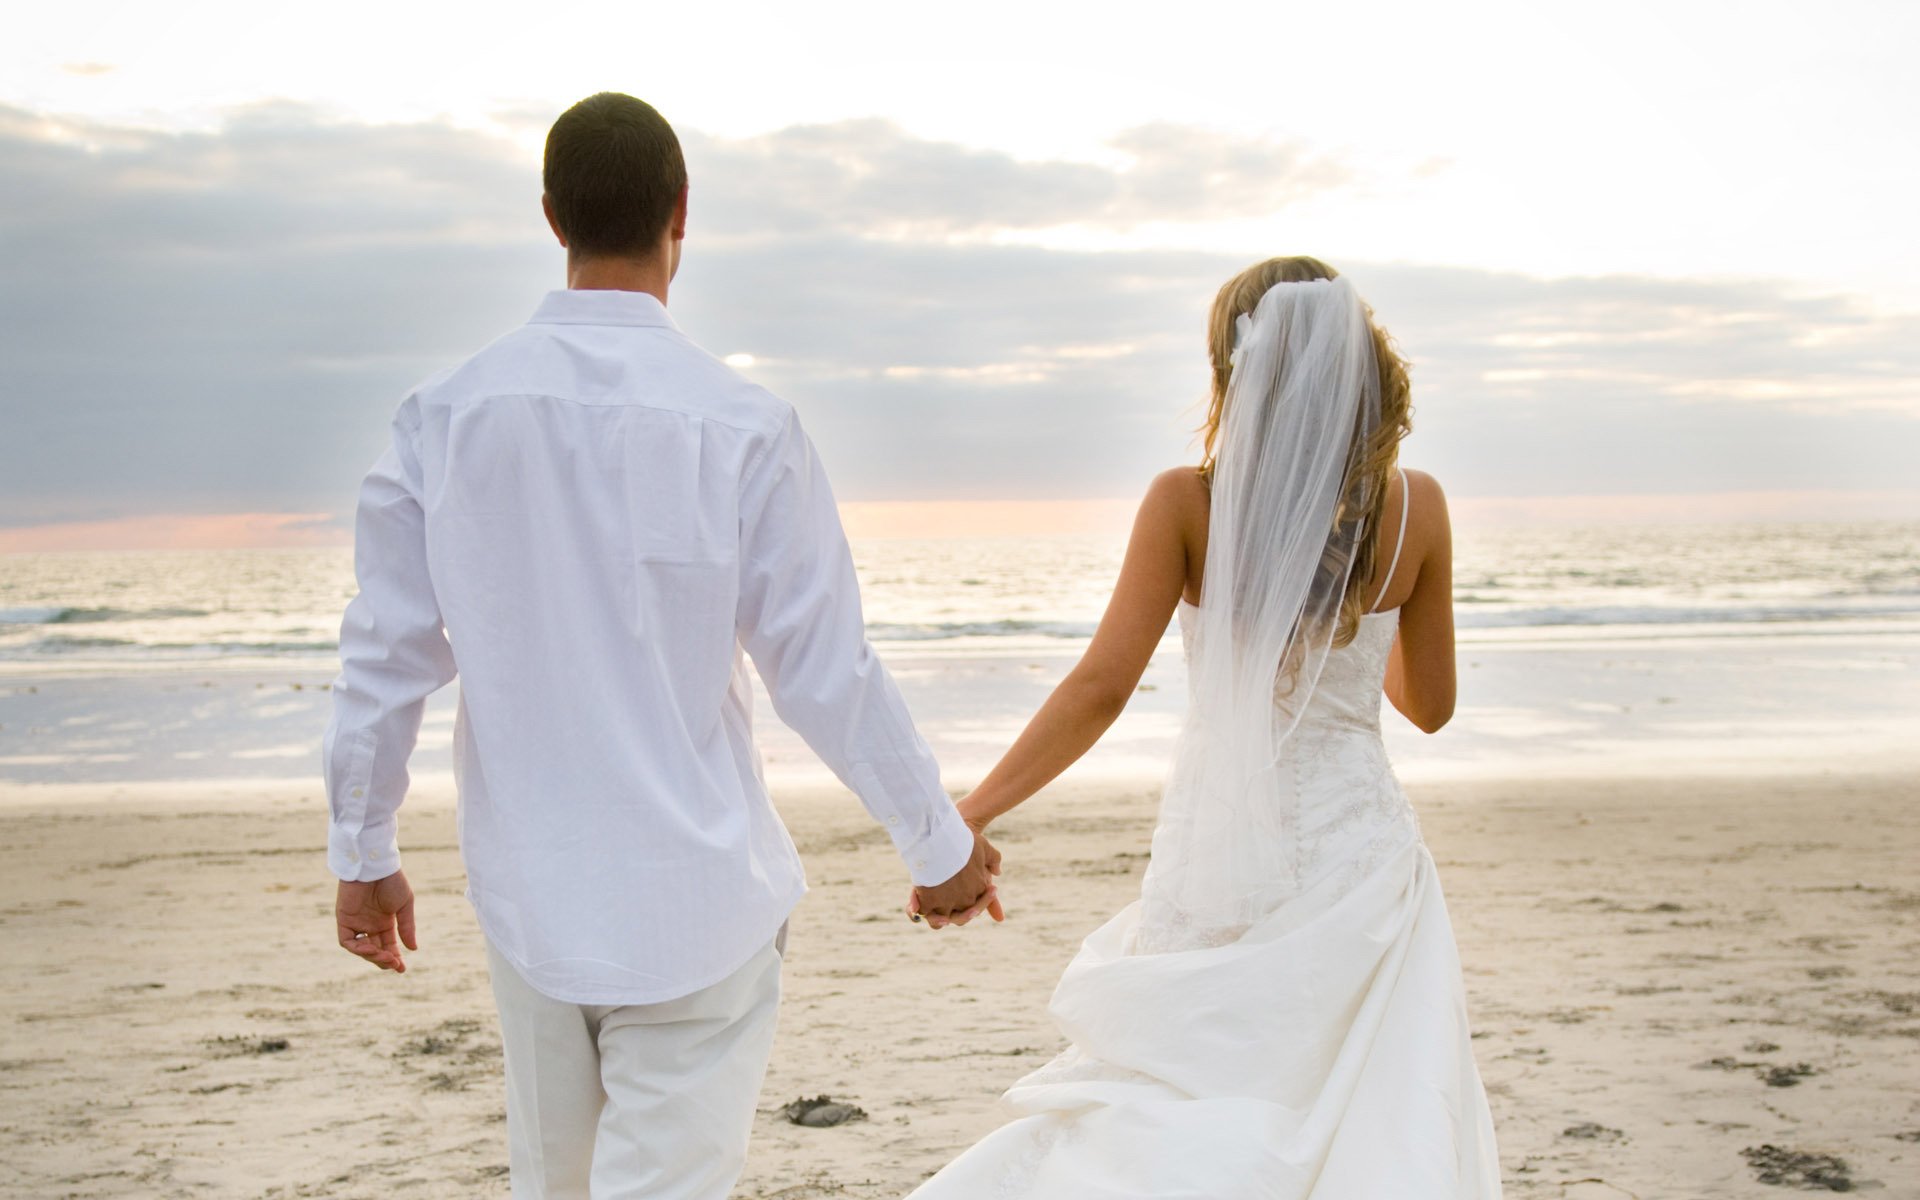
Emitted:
pixel 1632 250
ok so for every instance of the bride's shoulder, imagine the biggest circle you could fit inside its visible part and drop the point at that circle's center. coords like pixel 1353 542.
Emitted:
pixel 1174 515
pixel 1181 495
pixel 1422 489
pixel 1428 522
pixel 1185 487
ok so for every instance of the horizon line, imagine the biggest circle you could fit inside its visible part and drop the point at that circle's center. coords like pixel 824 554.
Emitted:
pixel 1001 518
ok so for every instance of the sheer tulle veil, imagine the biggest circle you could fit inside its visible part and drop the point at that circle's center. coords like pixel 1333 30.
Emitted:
pixel 1302 399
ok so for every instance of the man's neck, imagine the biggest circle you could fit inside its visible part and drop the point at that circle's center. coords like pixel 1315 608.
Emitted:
pixel 650 275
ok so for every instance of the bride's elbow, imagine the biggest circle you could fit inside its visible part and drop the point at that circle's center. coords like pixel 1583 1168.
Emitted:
pixel 1433 716
pixel 1429 714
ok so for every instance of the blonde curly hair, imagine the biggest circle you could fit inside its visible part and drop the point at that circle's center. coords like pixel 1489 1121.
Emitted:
pixel 1372 460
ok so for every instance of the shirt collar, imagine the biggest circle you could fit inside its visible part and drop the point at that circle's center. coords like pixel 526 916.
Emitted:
pixel 579 306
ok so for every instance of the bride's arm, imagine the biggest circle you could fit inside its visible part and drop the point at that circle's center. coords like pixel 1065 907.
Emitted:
pixel 1099 686
pixel 1421 679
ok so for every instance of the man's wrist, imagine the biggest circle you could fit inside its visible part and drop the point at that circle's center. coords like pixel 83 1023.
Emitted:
pixel 942 854
pixel 352 862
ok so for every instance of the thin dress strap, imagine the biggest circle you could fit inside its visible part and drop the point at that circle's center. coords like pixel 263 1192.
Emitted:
pixel 1399 543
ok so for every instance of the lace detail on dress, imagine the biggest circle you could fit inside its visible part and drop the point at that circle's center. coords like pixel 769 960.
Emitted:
pixel 1166 928
pixel 1352 816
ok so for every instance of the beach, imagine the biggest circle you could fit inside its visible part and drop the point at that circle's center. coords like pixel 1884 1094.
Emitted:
pixel 1675 833
pixel 1663 974
pixel 813 335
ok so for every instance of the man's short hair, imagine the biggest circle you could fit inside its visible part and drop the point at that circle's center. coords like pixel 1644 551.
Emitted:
pixel 613 174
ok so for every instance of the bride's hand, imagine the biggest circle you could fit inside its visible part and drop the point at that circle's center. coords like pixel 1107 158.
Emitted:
pixel 988 903
pixel 979 825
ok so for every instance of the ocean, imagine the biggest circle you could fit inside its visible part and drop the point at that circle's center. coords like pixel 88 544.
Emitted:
pixel 141 610
pixel 1720 648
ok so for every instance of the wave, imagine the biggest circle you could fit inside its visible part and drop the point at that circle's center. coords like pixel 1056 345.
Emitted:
pixel 32 615
pixel 1666 614
pixel 941 631
pixel 1514 616
pixel 63 615
pixel 71 646
pixel 127 648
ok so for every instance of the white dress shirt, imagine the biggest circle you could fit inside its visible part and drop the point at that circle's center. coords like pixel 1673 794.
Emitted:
pixel 589 521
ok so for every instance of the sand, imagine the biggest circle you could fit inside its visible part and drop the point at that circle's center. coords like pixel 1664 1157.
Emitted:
pixel 1664 975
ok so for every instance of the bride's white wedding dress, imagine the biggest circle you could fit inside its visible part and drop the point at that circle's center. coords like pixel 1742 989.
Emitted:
pixel 1320 1051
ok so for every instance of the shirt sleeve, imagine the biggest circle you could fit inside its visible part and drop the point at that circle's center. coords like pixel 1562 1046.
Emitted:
pixel 393 654
pixel 799 618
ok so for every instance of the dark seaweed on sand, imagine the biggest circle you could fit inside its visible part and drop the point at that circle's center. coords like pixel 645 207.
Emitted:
pixel 820 1112
pixel 1795 1168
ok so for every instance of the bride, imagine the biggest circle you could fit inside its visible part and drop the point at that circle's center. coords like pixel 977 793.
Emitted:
pixel 1281 1013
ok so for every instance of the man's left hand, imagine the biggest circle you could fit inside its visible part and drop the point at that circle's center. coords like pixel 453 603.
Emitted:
pixel 375 919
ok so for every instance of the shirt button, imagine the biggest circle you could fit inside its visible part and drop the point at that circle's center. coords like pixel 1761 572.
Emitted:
pixel 359 792
pixel 921 865
pixel 893 820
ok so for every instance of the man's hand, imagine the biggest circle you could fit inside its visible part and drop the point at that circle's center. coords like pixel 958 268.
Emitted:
pixel 965 896
pixel 375 918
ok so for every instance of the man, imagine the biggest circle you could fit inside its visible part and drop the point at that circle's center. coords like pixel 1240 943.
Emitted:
pixel 589 521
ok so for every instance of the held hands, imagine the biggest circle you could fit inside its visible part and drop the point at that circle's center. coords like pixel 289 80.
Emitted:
pixel 375 918
pixel 968 894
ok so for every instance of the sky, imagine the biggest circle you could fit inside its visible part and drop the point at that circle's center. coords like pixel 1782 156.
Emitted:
pixel 1649 261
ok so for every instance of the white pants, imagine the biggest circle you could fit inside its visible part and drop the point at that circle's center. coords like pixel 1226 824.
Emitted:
pixel 636 1100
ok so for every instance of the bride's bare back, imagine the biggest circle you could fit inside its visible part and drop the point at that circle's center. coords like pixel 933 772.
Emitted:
pixel 1166 558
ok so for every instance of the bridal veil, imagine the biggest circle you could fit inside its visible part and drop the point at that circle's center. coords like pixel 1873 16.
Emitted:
pixel 1286 522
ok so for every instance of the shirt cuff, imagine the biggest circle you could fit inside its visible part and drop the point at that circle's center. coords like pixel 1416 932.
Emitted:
pixel 368 856
pixel 939 856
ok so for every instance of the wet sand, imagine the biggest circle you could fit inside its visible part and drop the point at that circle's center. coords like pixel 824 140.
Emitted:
pixel 1666 975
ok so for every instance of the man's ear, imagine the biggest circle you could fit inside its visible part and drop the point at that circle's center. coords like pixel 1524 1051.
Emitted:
pixel 546 206
pixel 679 222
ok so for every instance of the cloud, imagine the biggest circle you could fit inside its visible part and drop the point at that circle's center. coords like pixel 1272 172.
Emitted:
pixel 201 321
pixel 1740 342
pixel 223 321
pixel 872 177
